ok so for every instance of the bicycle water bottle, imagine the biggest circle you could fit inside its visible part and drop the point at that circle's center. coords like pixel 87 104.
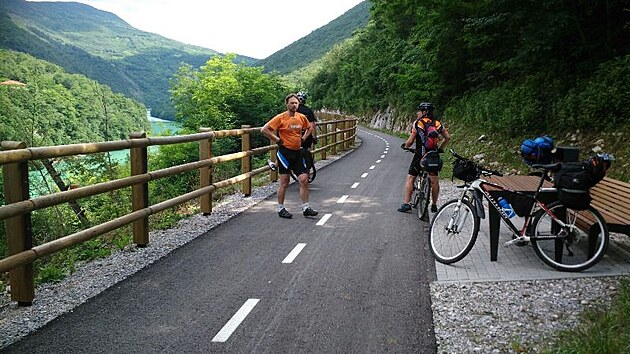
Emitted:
pixel 507 208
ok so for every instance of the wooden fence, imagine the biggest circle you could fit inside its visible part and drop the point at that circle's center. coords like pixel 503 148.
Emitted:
pixel 337 133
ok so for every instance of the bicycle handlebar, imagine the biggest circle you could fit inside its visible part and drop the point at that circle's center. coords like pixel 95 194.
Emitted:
pixel 408 149
pixel 482 170
pixel 439 151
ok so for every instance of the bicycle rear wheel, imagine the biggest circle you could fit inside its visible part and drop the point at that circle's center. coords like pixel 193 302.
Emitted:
pixel 453 231
pixel 415 194
pixel 574 248
pixel 424 195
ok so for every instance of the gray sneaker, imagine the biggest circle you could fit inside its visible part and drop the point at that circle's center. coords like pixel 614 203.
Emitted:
pixel 283 213
pixel 308 212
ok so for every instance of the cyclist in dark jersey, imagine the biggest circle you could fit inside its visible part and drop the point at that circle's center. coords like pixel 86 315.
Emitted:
pixel 306 110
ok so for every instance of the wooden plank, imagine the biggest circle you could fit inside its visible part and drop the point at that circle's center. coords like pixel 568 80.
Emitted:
pixel 517 183
pixel 612 199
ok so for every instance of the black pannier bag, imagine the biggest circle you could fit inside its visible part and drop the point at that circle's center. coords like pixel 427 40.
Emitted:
pixel 575 199
pixel 574 175
pixel 521 204
pixel 575 178
pixel 465 170
pixel 581 175
pixel 431 162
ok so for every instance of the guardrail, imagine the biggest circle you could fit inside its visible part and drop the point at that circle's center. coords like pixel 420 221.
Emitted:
pixel 336 134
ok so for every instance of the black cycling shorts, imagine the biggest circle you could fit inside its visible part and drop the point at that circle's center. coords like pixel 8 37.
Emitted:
pixel 290 160
pixel 415 169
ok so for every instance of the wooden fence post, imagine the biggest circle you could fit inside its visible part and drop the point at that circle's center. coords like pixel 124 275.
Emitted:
pixel 246 163
pixel 18 228
pixel 325 141
pixel 333 150
pixel 355 124
pixel 139 192
pixel 205 175
pixel 346 135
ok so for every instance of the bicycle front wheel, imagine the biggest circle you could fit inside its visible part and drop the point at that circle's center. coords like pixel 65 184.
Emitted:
pixel 312 173
pixel 574 248
pixel 453 231
pixel 423 196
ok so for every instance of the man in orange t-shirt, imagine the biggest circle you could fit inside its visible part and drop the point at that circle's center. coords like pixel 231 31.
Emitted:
pixel 286 130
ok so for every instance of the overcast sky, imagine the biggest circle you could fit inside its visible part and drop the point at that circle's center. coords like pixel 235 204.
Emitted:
pixel 255 28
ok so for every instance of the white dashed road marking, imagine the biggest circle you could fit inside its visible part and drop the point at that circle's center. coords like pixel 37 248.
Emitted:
pixel 355 185
pixel 342 199
pixel 323 220
pixel 235 321
pixel 291 256
pixel 372 167
pixel 364 175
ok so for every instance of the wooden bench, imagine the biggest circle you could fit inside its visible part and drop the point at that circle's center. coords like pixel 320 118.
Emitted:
pixel 611 198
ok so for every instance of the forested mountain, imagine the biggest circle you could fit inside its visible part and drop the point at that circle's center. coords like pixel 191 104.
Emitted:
pixel 45 105
pixel 312 47
pixel 100 45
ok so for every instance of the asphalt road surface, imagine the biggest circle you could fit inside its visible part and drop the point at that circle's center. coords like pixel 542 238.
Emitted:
pixel 353 279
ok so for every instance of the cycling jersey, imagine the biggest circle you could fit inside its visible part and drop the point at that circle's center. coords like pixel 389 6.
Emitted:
pixel 289 129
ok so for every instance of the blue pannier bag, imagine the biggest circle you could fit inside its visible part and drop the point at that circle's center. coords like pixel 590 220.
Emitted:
pixel 537 151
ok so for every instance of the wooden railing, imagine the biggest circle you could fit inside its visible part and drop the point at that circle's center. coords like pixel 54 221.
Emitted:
pixel 335 135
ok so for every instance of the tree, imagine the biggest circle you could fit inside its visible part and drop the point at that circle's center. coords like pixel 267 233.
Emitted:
pixel 223 94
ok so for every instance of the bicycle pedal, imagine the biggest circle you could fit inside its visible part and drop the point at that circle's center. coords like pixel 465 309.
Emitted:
pixel 518 241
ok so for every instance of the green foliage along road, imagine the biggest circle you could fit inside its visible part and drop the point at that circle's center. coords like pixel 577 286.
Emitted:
pixel 530 66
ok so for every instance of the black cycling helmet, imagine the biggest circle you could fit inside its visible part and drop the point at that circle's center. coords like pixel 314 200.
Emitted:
pixel 426 106
pixel 302 96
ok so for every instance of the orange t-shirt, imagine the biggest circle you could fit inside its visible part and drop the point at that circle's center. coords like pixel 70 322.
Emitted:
pixel 289 129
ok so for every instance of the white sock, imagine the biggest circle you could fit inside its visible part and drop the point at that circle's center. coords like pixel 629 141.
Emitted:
pixel 304 206
pixel 280 207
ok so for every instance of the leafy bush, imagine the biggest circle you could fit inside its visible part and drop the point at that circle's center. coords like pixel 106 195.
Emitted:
pixel 601 99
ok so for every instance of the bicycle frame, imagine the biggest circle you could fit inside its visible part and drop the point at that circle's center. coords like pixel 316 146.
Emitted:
pixel 479 193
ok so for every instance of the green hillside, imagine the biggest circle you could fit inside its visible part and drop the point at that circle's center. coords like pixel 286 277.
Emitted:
pixel 312 47
pixel 48 106
pixel 100 45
